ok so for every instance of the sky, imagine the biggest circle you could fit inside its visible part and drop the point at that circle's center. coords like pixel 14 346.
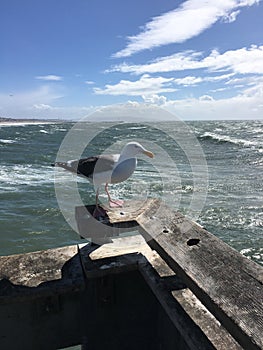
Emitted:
pixel 197 59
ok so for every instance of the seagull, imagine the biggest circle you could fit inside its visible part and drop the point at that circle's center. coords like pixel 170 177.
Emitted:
pixel 107 169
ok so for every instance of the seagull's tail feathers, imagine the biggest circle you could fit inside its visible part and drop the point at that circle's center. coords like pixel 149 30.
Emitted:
pixel 67 166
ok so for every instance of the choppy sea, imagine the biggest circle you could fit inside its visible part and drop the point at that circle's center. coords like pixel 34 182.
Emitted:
pixel 211 171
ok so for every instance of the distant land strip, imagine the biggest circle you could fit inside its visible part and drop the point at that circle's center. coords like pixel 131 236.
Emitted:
pixel 5 120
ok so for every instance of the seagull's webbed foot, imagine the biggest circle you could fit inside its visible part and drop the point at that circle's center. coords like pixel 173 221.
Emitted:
pixel 113 203
pixel 116 203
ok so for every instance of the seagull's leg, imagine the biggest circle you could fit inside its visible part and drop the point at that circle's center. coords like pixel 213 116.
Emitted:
pixel 113 203
pixel 98 212
pixel 97 198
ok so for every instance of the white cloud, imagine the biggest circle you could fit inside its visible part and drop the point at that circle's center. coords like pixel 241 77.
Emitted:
pixel 155 99
pixel 189 80
pixel 49 77
pixel 219 77
pixel 130 111
pixel 144 86
pixel 42 95
pixel 220 89
pixel 254 90
pixel 38 104
pixel 243 61
pixel 89 82
pixel 177 62
pixel 231 17
pixel 25 104
pixel 246 105
pixel 242 81
pixel 71 112
pixel 188 20
pixel 206 98
pixel 192 80
pixel 42 106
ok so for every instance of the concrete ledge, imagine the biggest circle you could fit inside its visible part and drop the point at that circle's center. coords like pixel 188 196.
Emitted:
pixel 40 273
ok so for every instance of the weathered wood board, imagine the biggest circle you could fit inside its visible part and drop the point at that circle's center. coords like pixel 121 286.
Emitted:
pixel 227 283
pixel 184 309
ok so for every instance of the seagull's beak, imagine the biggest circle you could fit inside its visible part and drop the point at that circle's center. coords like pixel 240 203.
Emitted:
pixel 148 153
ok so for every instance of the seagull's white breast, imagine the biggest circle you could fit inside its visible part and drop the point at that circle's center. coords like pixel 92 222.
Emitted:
pixel 123 170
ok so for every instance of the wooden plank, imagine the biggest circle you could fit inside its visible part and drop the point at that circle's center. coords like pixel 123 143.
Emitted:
pixel 227 283
pixel 212 328
pixel 207 333
pixel 197 326
pixel 129 212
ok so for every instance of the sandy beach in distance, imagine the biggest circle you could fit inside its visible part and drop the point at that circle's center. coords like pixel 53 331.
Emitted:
pixel 19 122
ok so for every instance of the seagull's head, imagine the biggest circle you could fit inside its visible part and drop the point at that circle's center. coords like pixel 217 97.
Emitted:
pixel 132 149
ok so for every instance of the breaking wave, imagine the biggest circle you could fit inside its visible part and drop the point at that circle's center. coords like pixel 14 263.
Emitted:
pixel 227 139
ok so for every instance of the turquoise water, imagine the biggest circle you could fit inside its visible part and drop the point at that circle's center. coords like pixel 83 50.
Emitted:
pixel 231 208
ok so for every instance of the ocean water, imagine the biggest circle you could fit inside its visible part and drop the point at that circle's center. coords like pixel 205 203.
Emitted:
pixel 210 171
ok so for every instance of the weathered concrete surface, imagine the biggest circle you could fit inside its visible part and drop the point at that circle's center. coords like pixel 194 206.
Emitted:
pixel 32 269
pixel 34 274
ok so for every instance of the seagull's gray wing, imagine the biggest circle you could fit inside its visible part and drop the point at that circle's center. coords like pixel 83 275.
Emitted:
pixel 98 164
pixel 88 166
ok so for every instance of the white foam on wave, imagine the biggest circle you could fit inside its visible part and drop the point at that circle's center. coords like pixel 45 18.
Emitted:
pixel 253 253
pixel 13 176
pixel 137 127
pixel 226 138
pixel 245 251
pixel 7 141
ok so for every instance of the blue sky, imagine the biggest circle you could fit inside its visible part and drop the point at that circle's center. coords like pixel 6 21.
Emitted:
pixel 196 59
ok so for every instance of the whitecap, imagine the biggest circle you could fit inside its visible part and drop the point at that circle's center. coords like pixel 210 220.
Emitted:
pixel 226 138
pixel 7 141
pixel 12 176
pixel 137 127
pixel 245 251
pixel 256 222
pixel 254 253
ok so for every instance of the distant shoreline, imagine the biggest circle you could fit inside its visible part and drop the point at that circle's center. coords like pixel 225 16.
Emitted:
pixel 13 121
